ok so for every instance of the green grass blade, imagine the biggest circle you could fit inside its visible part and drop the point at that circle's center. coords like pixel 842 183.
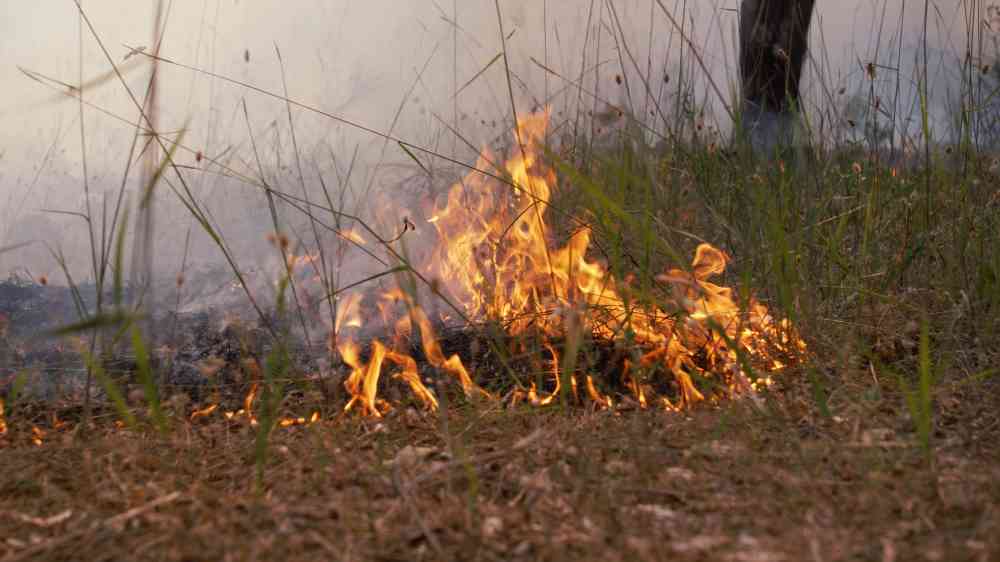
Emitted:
pixel 414 158
pixel 820 393
pixel 145 373
pixel 15 389
pixel 114 318
pixel 275 369
pixel 925 388
pixel 111 389
pixel 118 283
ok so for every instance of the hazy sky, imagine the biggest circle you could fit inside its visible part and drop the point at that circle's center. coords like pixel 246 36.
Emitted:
pixel 361 59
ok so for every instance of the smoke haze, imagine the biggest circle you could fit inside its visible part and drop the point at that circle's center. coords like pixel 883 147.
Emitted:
pixel 392 66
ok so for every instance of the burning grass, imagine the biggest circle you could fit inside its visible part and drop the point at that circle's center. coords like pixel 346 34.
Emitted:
pixel 495 260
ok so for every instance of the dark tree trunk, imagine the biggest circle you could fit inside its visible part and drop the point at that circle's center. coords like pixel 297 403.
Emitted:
pixel 773 42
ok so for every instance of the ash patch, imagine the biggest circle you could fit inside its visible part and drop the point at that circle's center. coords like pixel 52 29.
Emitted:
pixel 50 367
pixel 211 353
pixel 29 309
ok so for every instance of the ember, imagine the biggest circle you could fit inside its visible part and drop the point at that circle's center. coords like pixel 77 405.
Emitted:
pixel 495 258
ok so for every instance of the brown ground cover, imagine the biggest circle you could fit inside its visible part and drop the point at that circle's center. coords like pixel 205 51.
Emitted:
pixel 774 479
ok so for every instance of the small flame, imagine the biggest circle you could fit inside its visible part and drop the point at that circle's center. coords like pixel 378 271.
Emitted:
pixel 37 435
pixel 249 399
pixel 362 384
pixel 410 375
pixel 289 422
pixel 203 412
pixel 596 396
pixel 452 365
pixel 247 410
pixel 348 313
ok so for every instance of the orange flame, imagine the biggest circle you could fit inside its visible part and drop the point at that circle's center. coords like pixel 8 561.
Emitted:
pixel 362 384
pixel 37 435
pixel 289 422
pixel 495 259
pixel 247 409
pixel 203 412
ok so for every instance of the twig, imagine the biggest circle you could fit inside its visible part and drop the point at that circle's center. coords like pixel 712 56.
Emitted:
pixel 404 492
pixel 480 459
pixel 115 523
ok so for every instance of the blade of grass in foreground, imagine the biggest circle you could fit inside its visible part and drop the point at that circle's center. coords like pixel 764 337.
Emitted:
pixel 275 368
pixel 145 373
pixel 20 380
pixel 819 391
pixel 12 247
pixel 920 400
pixel 111 389
pixel 114 318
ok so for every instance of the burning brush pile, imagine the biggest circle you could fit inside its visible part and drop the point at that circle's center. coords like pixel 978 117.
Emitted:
pixel 494 264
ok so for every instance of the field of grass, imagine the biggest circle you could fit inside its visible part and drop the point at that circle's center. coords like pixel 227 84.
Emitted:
pixel 881 443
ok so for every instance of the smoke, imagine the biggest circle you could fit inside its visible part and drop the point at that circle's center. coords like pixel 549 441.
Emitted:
pixel 426 72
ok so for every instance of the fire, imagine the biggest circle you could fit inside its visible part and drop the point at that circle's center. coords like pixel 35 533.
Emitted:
pixel 362 384
pixel 495 258
pixel 203 412
pixel 245 412
pixel 288 422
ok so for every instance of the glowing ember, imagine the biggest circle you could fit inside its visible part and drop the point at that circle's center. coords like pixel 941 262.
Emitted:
pixel 288 422
pixel 203 412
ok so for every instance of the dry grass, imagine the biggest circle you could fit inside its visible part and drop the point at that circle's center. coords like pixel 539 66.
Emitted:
pixel 774 481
